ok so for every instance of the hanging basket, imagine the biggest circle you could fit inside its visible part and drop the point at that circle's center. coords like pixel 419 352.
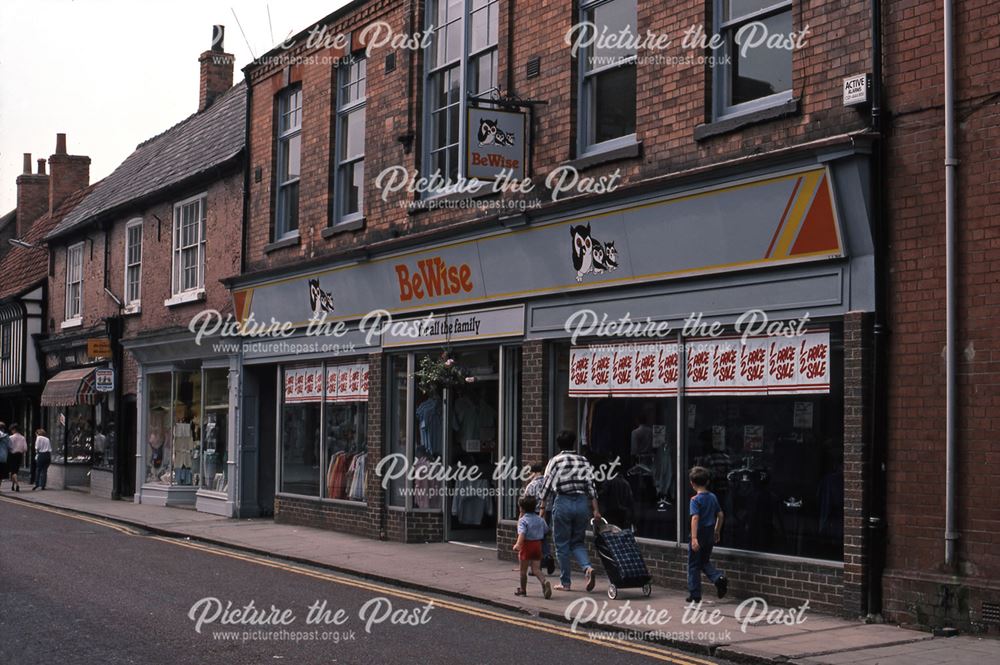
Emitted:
pixel 435 374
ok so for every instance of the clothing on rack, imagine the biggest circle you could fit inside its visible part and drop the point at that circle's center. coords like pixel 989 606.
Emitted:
pixel 429 415
pixel 472 502
pixel 425 494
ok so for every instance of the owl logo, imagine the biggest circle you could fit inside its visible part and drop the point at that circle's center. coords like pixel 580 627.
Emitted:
pixel 590 255
pixel 489 133
pixel 321 301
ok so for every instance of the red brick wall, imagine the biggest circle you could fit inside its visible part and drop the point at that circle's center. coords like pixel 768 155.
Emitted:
pixel 222 259
pixel 672 103
pixel 918 588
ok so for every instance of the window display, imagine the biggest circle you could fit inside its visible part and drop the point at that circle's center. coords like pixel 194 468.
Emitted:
pixel 214 469
pixel 324 431
pixel 159 428
pixel 186 427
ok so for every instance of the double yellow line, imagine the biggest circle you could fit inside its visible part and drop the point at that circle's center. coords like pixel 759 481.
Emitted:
pixel 638 648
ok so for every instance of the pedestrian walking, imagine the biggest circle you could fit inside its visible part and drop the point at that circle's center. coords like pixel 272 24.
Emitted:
pixel 534 488
pixel 43 457
pixel 706 527
pixel 15 458
pixel 531 531
pixel 570 477
pixel 4 451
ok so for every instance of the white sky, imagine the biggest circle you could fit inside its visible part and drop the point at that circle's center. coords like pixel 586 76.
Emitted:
pixel 112 73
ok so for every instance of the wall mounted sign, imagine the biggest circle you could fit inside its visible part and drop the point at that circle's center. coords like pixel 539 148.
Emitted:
pixel 457 327
pixel 767 221
pixel 104 380
pixel 496 143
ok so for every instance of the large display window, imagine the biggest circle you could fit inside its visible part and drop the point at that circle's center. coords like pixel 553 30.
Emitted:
pixel 323 428
pixel 764 415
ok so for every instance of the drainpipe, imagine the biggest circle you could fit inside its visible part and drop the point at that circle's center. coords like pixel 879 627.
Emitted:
pixel 874 508
pixel 950 166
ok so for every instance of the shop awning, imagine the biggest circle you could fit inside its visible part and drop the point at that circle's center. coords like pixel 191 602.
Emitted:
pixel 69 387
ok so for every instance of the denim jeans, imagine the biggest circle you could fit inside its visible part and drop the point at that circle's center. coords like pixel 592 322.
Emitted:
pixel 570 519
pixel 44 459
pixel 547 541
pixel 699 562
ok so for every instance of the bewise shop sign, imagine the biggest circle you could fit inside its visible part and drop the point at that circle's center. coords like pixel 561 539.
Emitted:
pixel 432 278
pixel 495 145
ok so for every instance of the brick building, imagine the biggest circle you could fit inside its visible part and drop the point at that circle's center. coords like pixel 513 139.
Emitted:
pixel 135 260
pixel 921 585
pixel 720 190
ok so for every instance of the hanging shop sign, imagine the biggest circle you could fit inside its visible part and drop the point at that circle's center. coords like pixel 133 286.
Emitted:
pixel 722 366
pixel 496 144
pixel 344 383
pixel 767 221
pixel 104 380
pixel 99 347
pixel 451 327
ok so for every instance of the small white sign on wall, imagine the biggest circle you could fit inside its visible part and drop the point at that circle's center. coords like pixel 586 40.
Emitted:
pixel 856 90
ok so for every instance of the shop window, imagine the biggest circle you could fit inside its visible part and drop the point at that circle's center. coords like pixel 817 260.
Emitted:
pixel 777 466
pixel 213 467
pixel 73 428
pixel 324 431
pixel 607 77
pixel 749 77
pixel 399 434
pixel 159 428
pixel 186 427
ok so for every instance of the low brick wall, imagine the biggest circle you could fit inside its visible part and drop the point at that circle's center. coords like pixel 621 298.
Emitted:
pixel 334 516
pixel 933 600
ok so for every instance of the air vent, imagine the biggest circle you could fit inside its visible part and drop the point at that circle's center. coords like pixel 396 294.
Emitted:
pixel 390 63
pixel 991 613
pixel 534 68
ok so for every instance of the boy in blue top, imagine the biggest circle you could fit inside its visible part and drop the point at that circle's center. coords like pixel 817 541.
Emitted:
pixel 706 525
pixel 531 530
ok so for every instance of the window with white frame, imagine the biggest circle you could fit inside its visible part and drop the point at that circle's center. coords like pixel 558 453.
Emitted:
pixel 751 75
pixel 74 281
pixel 133 261
pixel 289 137
pixel 350 148
pixel 461 62
pixel 189 245
pixel 607 75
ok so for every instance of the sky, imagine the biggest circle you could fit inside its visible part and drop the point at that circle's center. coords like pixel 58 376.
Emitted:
pixel 112 73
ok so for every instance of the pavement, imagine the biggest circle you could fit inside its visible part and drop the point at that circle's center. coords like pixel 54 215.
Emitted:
pixel 475 573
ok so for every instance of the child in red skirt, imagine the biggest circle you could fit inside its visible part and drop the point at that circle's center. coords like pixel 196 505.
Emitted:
pixel 531 530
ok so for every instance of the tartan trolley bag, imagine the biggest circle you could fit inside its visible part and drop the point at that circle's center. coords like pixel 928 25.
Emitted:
pixel 622 559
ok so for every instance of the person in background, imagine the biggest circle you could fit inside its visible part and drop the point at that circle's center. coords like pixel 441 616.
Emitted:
pixel 570 477
pixel 706 526
pixel 616 499
pixel 4 451
pixel 15 458
pixel 534 489
pixel 43 457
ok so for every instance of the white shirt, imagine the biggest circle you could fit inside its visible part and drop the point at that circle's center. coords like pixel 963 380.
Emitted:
pixel 42 444
pixel 18 444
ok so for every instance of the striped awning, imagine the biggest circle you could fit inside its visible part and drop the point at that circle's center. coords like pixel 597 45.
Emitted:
pixel 70 387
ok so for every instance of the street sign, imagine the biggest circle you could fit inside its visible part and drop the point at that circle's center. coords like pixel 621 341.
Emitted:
pixel 99 347
pixel 104 380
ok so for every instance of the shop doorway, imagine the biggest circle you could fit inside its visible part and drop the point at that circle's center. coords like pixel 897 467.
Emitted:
pixel 472 439
pixel 129 425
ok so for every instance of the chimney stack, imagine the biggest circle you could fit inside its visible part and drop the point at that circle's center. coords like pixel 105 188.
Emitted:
pixel 216 70
pixel 68 174
pixel 32 196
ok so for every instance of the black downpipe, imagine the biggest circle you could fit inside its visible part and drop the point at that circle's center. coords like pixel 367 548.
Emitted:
pixel 875 527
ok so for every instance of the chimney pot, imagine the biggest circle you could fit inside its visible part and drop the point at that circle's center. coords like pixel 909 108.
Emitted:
pixel 60 144
pixel 216 70
pixel 41 167
pixel 27 164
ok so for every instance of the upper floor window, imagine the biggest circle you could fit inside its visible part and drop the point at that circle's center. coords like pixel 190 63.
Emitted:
pixel 607 75
pixel 289 161
pixel 133 261
pixel 350 148
pixel 189 245
pixel 74 281
pixel 751 76
pixel 461 62
pixel 5 340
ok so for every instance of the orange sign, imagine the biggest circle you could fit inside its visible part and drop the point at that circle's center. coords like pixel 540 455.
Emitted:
pixel 99 347
pixel 433 278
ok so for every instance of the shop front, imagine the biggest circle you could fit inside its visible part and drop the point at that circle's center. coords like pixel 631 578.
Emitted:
pixel 186 452
pixel 723 322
